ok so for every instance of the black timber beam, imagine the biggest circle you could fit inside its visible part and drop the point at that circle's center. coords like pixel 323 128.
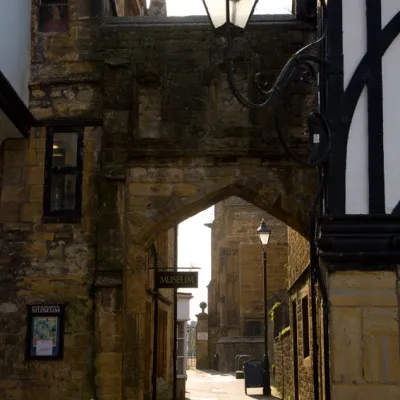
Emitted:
pixel 14 108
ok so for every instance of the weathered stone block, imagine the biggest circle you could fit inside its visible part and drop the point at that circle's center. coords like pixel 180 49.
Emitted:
pixel 9 212
pixel 34 176
pixel 149 101
pixel 111 362
pixel 30 212
pixel 346 344
pixel 11 175
pixel 145 189
pixel 14 158
pixel 363 289
pixel 37 142
pixel 36 193
pixel 365 391
pixel 14 193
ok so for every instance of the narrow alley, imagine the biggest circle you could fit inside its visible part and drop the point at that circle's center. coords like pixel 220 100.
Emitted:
pixel 215 385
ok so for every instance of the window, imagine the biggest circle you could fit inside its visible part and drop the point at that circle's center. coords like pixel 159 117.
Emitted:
pixel 63 175
pixel 91 8
pixel 306 333
pixel 53 16
pixel 180 348
pixel 253 328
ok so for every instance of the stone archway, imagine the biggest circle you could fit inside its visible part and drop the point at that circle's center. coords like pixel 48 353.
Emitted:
pixel 159 197
pixel 176 141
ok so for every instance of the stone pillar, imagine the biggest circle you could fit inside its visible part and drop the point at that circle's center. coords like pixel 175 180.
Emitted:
pixel 364 334
pixel 108 342
pixel 135 335
pixel 202 339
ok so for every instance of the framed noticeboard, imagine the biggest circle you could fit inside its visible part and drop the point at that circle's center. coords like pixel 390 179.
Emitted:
pixel 45 335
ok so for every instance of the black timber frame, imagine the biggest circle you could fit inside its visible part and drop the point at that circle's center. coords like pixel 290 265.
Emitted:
pixel 356 241
pixel 14 108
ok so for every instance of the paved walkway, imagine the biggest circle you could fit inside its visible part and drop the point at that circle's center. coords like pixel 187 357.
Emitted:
pixel 214 385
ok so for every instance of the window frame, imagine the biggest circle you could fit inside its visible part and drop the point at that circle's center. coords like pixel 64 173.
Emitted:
pixel 61 3
pixel 63 216
pixel 251 326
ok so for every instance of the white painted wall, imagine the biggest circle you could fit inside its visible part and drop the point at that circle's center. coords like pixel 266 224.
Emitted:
pixel 391 110
pixel 15 34
pixel 14 54
pixel 183 307
pixel 354 48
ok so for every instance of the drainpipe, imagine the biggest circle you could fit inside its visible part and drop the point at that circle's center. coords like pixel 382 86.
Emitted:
pixel 316 277
pixel 325 327
pixel 313 298
pixel 174 394
pixel 155 331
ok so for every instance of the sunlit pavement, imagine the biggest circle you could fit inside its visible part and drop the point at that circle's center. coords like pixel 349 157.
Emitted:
pixel 214 385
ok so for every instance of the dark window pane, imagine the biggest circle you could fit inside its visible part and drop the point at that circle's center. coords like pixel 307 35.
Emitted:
pixel 63 190
pixel 64 149
pixel 253 328
pixel 53 18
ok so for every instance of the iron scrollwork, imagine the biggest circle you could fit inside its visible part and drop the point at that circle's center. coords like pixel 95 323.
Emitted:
pixel 302 60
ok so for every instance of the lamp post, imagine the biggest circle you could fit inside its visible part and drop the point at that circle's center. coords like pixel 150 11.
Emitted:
pixel 264 232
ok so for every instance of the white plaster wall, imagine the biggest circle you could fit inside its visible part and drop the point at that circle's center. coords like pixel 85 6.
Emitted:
pixel 15 44
pixel 354 48
pixel 183 307
pixel 14 54
pixel 391 110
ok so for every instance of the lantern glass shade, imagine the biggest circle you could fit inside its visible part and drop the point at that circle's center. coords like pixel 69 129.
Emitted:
pixel 225 12
pixel 263 233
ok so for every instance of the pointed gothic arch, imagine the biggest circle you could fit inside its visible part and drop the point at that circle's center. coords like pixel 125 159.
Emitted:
pixel 154 206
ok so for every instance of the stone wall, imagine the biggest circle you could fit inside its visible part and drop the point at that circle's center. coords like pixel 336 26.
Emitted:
pixel 79 264
pixel 173 141
pixel 304 363
pixel 45 263
pixel 176 152
pixel 299 255
pixel 364 339
pixel 236 290
pixel 283 366
pixel 299 290
pixel 229 347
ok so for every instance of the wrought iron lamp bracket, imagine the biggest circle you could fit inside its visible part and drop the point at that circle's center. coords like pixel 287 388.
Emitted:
pixel 271 97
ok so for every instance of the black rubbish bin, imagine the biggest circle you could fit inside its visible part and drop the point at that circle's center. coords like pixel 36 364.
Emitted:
pixel 253 374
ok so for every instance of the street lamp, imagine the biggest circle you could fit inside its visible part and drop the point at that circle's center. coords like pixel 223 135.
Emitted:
pixel 264 233
pixel 229 13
